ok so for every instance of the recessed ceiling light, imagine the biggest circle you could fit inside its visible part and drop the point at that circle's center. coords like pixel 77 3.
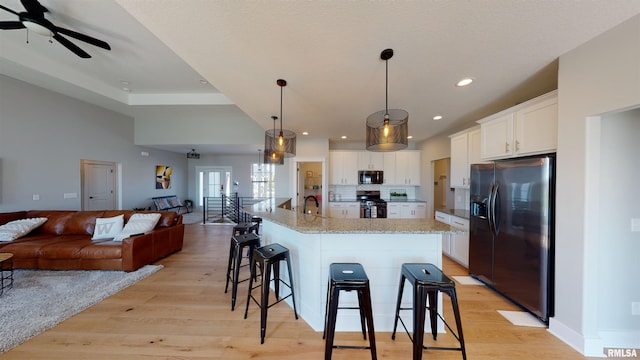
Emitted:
pixel 343 137
pixel 464 82
pixel 124 82
pixel 203 82
pixel 126 89
pixel 437 117
pixel 305 133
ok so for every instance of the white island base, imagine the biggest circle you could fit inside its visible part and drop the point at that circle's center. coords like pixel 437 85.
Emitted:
pixel 381 255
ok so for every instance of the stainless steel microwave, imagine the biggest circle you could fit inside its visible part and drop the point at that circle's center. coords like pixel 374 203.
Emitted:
pixel 370 177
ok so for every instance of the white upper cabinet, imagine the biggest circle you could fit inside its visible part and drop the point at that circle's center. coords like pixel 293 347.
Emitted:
pixel 527 129
pixel 343 167
pixel 370 160
pixel 407 169
pixel 465 150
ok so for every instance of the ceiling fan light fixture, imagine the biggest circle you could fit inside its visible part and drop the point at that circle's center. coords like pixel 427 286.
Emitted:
pixel 388 129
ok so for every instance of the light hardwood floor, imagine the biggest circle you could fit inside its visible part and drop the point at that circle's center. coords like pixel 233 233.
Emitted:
pixel 182 312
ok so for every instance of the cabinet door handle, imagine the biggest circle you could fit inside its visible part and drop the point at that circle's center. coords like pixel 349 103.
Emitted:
pixel 506 147
pixel 517 145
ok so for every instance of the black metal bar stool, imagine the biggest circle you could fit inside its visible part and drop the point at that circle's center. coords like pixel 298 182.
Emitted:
pixel 348 277
pixel 246 227
pixel 268 257
pixel 427 280
pixel 237 246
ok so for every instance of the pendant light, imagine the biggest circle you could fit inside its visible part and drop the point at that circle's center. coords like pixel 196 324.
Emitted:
pixel 272 155
pixel 286 138
pixel 387 130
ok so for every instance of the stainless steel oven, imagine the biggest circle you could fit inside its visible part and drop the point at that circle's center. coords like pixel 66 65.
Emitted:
pixel 371 206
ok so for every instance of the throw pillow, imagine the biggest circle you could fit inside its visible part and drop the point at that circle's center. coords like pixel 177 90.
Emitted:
pixel 161 204
pixel 138 224
pixel 18 228
pixel 174 202
pixel 108 228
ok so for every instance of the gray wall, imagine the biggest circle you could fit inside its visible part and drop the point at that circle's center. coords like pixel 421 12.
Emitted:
pixel 598 77
pixel 43 137
pixel 619 175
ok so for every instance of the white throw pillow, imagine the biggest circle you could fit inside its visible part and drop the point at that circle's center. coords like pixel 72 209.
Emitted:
pixel 108 228
pixel 138 224
pixel 18 228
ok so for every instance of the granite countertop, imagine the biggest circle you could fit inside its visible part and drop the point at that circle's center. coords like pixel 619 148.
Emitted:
pixel 461 213
pixel 314 224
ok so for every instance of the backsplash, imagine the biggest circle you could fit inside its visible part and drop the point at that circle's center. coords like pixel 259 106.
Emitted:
pixel 348 192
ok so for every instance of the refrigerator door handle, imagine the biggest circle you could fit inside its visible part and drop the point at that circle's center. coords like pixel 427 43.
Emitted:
pixel 492 208
pixel 489 209
pixel 495 217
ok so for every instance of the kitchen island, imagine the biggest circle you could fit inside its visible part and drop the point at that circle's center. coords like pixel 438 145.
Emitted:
pixel 380 245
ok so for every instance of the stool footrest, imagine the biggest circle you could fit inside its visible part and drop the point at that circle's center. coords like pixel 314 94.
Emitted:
pixel 351 347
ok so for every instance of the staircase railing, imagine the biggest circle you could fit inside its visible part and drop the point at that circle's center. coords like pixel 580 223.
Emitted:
pixel 219 209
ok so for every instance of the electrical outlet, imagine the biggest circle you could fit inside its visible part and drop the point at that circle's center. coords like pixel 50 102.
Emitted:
pixel 635 308
pixel 36 196
pixel 635 225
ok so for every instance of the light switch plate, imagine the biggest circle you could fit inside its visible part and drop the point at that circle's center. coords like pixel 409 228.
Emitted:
pixel 635 308
pixel 36 196
pixel 635 225
pixel 70 195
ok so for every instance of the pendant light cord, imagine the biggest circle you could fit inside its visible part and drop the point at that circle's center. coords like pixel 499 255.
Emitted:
pixel 386 87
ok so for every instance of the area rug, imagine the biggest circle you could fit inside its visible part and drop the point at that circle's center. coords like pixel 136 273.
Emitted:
pixel 467 280
pixel 41 299
pixel 521 318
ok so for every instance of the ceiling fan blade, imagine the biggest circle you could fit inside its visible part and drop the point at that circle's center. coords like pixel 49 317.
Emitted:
pixel 11 25
pixel 9 10
pixel 34 7
pixel 82 37
pixel 71 46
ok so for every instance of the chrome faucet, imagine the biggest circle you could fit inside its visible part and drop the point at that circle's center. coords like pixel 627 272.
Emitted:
pixel 304 206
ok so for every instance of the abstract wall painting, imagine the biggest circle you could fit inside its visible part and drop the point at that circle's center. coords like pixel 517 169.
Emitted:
pixel 163 177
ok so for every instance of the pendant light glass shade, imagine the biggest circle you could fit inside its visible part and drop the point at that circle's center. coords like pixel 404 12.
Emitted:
pixel 387 130
pixel 273 153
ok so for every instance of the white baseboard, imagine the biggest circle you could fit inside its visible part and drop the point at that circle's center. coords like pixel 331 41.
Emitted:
pixel 593 347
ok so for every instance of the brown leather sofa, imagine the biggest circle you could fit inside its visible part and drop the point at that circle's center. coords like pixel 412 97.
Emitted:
pixel 64 242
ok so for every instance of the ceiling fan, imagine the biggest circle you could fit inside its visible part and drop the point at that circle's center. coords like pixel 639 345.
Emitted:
pixel 33 19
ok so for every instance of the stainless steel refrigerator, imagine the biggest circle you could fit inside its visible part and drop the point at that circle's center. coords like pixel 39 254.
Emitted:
pixel 511 234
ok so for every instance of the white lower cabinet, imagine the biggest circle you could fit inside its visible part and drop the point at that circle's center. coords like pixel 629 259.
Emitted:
pixel 455 245
pixel 344 210
pixel 406 210
pixel 460 241
pixel 446 238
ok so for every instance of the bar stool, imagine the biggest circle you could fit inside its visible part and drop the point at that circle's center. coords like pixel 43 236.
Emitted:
pixel 238 243
pixel 427 280
pixel 245 227
pixel 268 258
pixel 348 277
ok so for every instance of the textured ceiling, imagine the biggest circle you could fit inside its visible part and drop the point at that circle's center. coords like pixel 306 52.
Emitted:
pixel 328 51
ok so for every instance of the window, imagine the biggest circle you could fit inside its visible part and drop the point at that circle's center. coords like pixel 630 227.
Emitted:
pixel 263 180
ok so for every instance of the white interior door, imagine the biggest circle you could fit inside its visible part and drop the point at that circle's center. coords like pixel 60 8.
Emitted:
pixel 98 185
pixel 213 182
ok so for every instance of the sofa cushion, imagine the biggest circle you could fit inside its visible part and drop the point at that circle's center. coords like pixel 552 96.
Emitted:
pixel 138 224
pixel 18 228
pixel 108 228
pixel 57 220
pixel 6 217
